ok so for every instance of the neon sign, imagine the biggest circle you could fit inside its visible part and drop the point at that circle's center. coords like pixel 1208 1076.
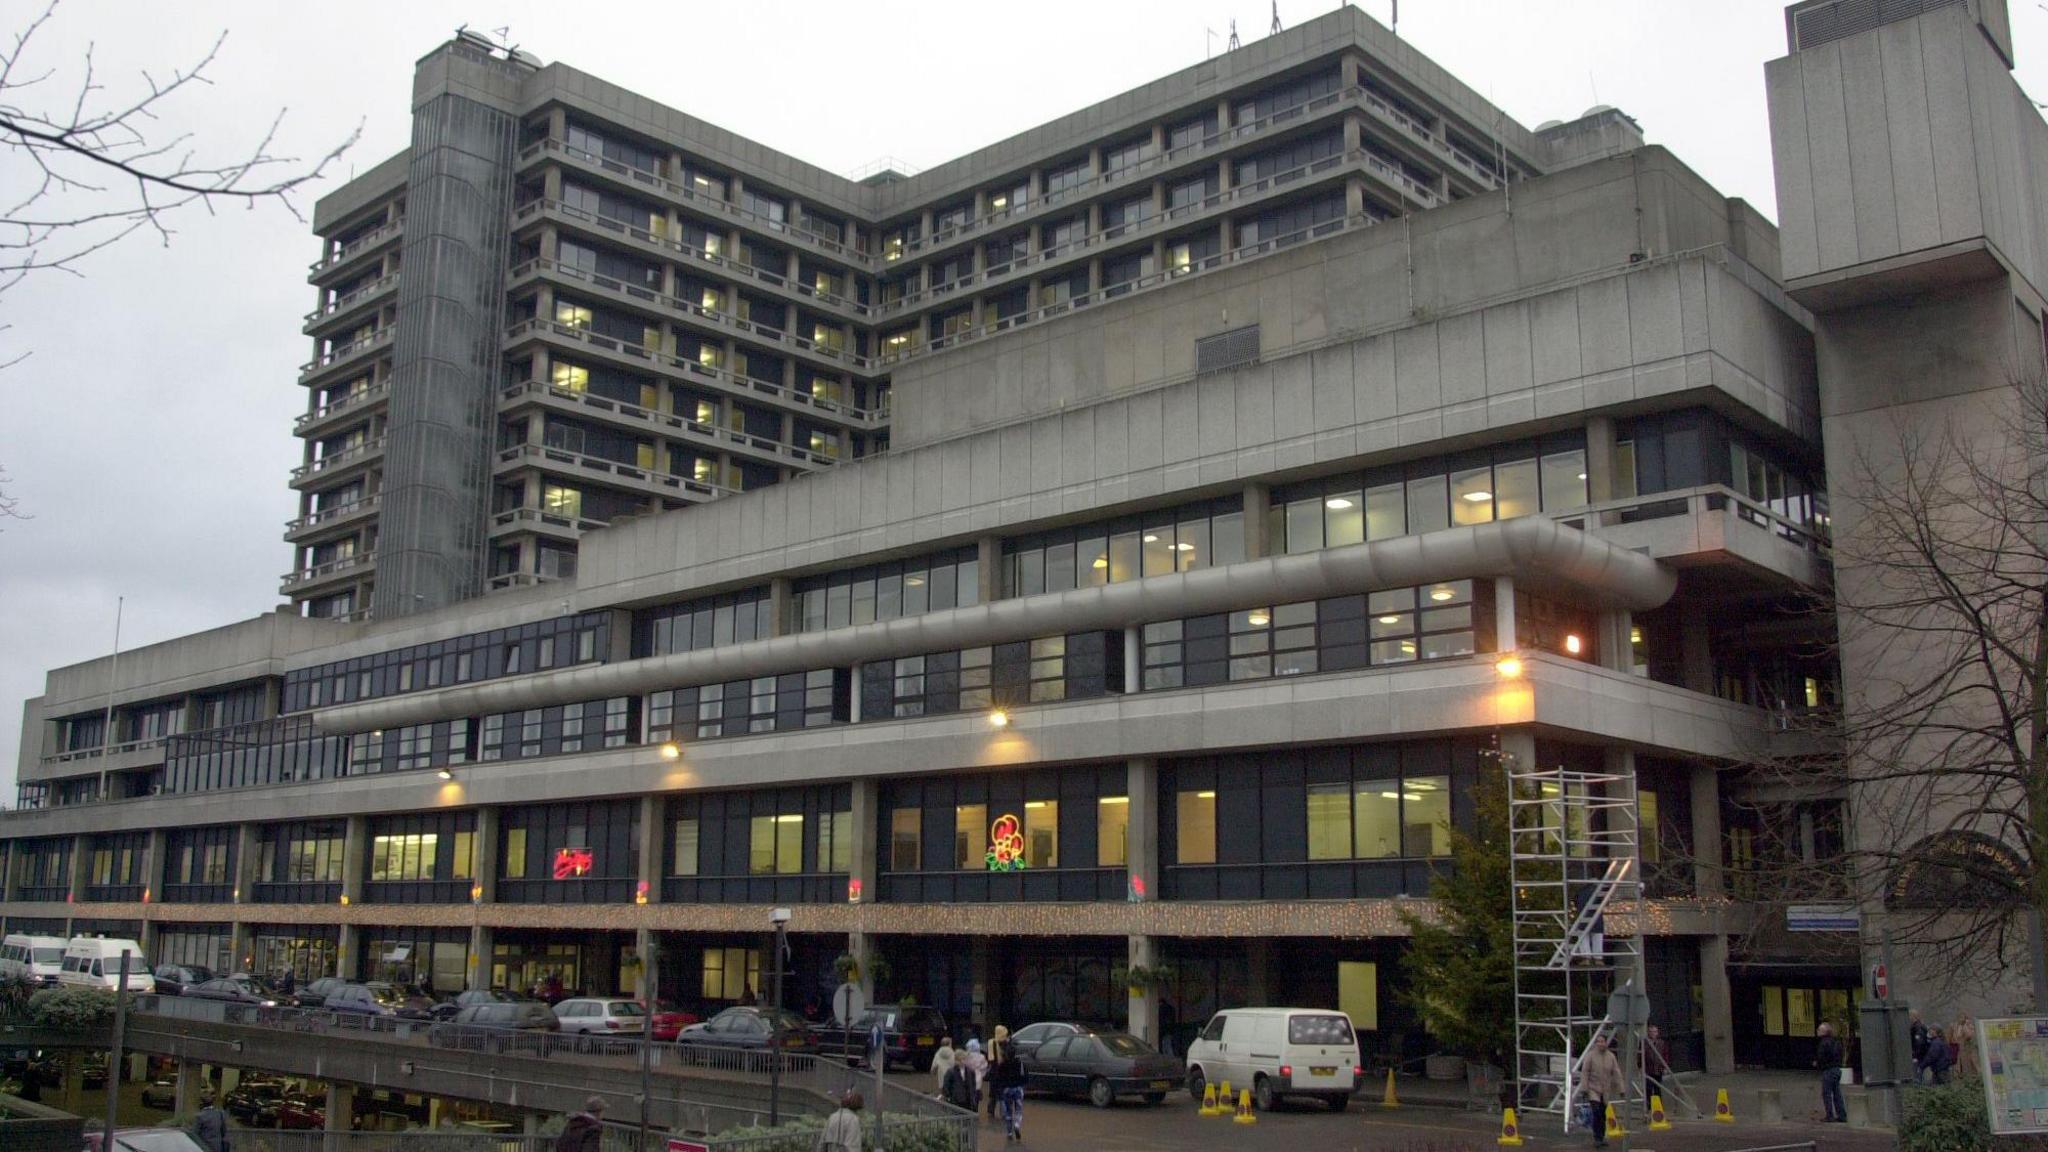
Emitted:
pixel 1006 845
pixel 574 863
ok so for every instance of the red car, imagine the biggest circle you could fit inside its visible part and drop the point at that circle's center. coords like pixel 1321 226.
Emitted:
pixel 668 1021
pixel 302 1113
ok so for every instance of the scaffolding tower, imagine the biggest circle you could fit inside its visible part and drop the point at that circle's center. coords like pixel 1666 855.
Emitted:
pixel 1573 853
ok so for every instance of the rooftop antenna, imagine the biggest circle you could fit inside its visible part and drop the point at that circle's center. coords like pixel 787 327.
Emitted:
pixel 1276 19
pixel 1209 45
pixel 1234 44
pixel 1397 17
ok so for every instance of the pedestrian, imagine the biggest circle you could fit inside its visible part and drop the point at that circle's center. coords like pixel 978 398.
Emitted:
pixel 1939 1058
pixel 1006 1081
pixel 1656 1059
pixel 1828 1058
pixel 1601 1080
pixel 842 1131
pixel 943 1061
pixel 977 1070
pixel 1917 1031
pixel 1962 1046
pixel 287 984
pixel 747 998
pixel 210 1127
pixel 585 1130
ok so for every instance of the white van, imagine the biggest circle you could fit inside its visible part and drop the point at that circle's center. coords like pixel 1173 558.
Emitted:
pixel 1278 1052
pixel 36 958
pixel 95 962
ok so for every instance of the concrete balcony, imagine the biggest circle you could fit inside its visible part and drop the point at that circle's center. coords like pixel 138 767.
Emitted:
pixel 541 522
pixel 375 240
pixel 1693 527
pixel 584 404
pixel 343 309
pixel 564 462
pixel 341 463
pixel 330 363
pixel 329 519
pixel 334 414
pixel 334 573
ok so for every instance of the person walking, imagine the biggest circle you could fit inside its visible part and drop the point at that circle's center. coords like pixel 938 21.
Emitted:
pixel 210 1127
pixel 1962 1046
pixel 287 984
pixel 1601 1080
pixel 1828 1058
pixel 1939 1059
pixel 585 1130
pixel 942 1062
pixel 842 1130
pixel 1656 1060
pixel 1006 1082
pixel 977 1071
pixel 1917 1035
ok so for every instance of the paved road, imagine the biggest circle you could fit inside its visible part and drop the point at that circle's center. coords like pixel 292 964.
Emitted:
pixel 1175 1126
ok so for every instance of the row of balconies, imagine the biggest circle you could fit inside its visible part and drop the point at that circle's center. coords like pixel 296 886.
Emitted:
pixel 339 308
pixel 363 245
pixel 328 466
pixel 677 427
pixel 342 355
pixel 304 579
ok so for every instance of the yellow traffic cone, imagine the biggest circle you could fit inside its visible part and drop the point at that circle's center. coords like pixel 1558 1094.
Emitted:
pixel 1722 1112
pixel 1390 1100
pixel 1659 1122
pixel 1245 1115
pixel 1224 1098
pixel 1614 1127
pixel 1209 1105
pixel 1510 1132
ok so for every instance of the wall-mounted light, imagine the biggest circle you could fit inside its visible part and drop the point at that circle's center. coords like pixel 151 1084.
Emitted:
pixel 1509 666
pixel 445 774
pixel 999 719
pixel 671 751
pixel 1573 644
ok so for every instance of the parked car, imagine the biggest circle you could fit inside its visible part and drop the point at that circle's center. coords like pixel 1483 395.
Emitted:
pixel 160 1094
pixel 92 1070
pixel 1026 1040
pixel 378 999
pixel 238 989
pixel 302 1113
pixel 254 1102
pixel 447 1009
pixel 667 1022
pixel 751 1029
pixel 1278 1052
pixel 173 979
pixel 601 1015
pixel 499 1026
pixel 314 993
pixel 1103 1066
pixel 910 1035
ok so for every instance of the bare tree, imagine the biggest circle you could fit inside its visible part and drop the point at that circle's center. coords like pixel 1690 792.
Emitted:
pixel 1941 745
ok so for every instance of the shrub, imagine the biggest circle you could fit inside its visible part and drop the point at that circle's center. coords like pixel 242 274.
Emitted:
pixel 1945 1118
pixel 72 1009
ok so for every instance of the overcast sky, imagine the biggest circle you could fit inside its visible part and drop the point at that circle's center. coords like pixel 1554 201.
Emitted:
pixel 149 433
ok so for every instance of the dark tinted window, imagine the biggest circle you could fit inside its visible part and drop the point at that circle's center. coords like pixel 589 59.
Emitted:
pixel 1215 1029
pixel 1124 1044
pixel 1055 1048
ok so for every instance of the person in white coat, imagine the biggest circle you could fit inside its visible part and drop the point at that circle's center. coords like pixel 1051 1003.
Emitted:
pixel 842 1131
pixel 942 1063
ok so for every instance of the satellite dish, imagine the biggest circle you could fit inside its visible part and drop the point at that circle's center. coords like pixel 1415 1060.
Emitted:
pixel 522 56
pixel 1596 110
pixel 1547 125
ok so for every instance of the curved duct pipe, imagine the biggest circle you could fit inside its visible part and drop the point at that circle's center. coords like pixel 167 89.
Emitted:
pixel 1537 552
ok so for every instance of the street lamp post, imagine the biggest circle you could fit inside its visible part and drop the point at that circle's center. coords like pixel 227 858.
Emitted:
pixel 780 918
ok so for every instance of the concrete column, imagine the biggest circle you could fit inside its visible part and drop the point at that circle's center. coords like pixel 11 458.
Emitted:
pixel 341 1112
pixel 653 827
pixel 348 954
pixel 853 695
pixel 982 964
pixel 1519 746
pixel 782 606
pixel 988 558
pixel 1705 796
pixel 81 866
pixel 1695 649
pixel 1258 500
pixel 1504 637
pixel 1354 199
pixel 1144 1002
pixel 355 859
pixel 485 865
pixel 1717 1005
pixel 1614 653
pixel 10 879
pixel 1134 658
pixel 185 1100
pixel 867 847
pixel 1600 486
pixel 241 946
pixel 643 949
pixel 1141 844
pixel 480 942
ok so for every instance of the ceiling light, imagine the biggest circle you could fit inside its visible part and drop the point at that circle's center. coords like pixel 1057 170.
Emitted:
pixel 1151 539
pixel 790 819
pixel 1422 785
pixel 1582 475
pixel 1572 644
pixel 1034 803
pixel 999 718
pixel 1390 795
pixel 1635 635
pixel 1441 594
pixel 1390 619
pixel 1479 497
pixel 1205 795
pixel 1183 547
pixel 914 581
pixel 1258 618
pixel 1113 800
pixel 1337 502
pixel 1408 647
pixel 1100 562
pixel 1410 796
pixel 1509 666
pixel 671 751
pixel 445 774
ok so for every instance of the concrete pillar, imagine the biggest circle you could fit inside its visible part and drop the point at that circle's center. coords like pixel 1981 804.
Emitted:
pixel 479 956
pixel 1134 672
pixel 781 606
pixel 1258 499
pixel 1600 486
pixel 185 1100
pixel 355 859
pixel 1144 1002
pixel 1695 651
pixel 247 840
pixel 653 827
pixel 1141 840
pixel 81 866
pixel 241 946
pixel 982 966
pixel 853 694
pixel 153 855
pixel 866 851
pixel 1717 1005
pixel 1613 650
pixel 989 558
pixel 341 1113
pixel 1705 796
pixel 484 888
pixel 643 950
pixel 1504 633
pixel 348 954
pixel 1518 748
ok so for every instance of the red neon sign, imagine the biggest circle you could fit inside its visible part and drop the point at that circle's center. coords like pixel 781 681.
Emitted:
pixel 574 863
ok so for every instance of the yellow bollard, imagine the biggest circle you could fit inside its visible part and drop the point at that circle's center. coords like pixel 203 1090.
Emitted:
pixel 1659 1122
pixel 1245 1115
pixel 1614 1127
pixel 1722 1112
pixel 1390 1100
pixel 1209 1105
pixel 1510 1132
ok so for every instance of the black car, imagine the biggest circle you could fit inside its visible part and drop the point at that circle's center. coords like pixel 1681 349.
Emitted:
pixel 254 1102
pixel 911 1034
pixel 160 1094
pixel 314 994
pixel 1102 1066
pixel 173 979
pixel 752 1029
pixel 92 1070
pixel 378 999
pixel 1025 1041
pixel 447 1009
pixel 498 1026
pixel 237 989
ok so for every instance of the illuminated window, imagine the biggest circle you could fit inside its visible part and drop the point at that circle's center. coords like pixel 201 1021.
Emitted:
pixel 900 341
pixel 970 836
pixel 711 355
pixel 515 853
pixel 825 444
pixel 731 973
pixel 828 336
pixel 684 862
pixel 835 841
pixel 1112 831
pixel 403 857
pixel 572 377
pixel 573 315
pixel 905 839
pixel 463 866
pixel 1195 822
pixel 1042 834
pixel 777 844
pixel 557 500
pixel 1649 841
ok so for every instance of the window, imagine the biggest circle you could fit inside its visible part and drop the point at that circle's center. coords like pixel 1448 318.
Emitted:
pixel 777 845
pixel 1112 831
pixel 1329 822
pixel 684 861
pixel 403 857
pixel 1195 822
pixel 1649 834
pixel 1176 540
pixel 1041 833
pixel 835 841
pixel 905 834
pixel 463 865
pixel 1066 178
pixel 970 836
pixel 731 973
pixel 515 853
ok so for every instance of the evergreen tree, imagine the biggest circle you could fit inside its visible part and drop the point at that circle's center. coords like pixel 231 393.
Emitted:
pixel 1460 963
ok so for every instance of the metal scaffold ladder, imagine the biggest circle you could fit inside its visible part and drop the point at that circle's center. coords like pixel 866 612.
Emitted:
pixel 1573 863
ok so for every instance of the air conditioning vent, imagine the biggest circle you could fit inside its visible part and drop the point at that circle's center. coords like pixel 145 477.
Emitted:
pixel 1231 349
pixel 1827 21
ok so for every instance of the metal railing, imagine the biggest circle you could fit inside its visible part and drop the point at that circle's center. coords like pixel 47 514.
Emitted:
pixel 631 473
pixel 343 303
pixel 337 407
pixel 729 437
pixel 338 512
pixel 344 457
pixel 331 568
pixel 343 353
pixel 356 247
pixel 96 753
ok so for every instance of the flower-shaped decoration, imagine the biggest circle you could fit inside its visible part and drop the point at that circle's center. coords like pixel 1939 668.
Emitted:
pixel 1006 845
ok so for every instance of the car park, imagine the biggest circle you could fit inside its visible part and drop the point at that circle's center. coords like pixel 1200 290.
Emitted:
pixel 302 1112
pixel 595 1015
pixel 363 1001
pixel 92 1070
pixel 173 979
pixel 447 1009
pixel 1278 1052
pixel 254 1102
pixel 1101 1066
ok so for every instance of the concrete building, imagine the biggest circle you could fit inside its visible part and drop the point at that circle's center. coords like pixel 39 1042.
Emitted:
pixel 1237 428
